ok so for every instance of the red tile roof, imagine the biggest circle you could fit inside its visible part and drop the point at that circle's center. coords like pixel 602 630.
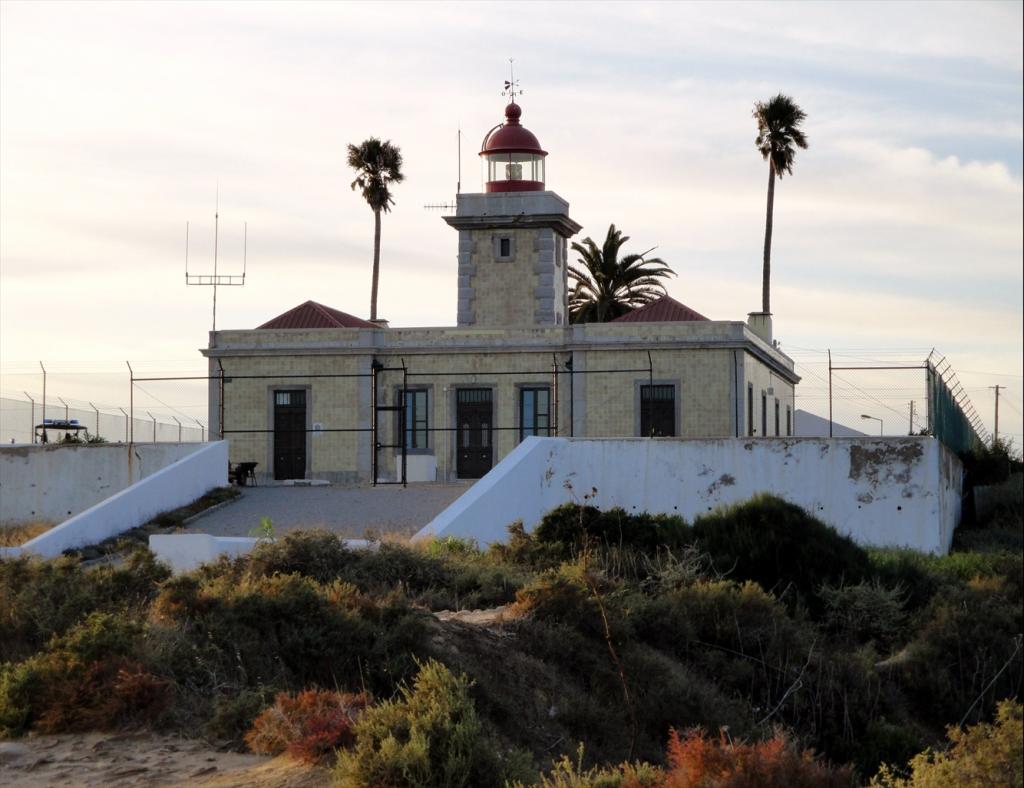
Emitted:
pixel 314 315
pixel 665 310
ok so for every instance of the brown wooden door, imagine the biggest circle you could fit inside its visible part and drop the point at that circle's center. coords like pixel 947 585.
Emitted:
pixel 474 433
pixel 289 434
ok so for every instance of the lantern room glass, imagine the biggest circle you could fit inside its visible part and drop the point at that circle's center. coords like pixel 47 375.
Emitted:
pixel 513 166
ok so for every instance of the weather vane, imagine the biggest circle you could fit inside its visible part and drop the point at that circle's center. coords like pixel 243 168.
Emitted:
pixel 511 84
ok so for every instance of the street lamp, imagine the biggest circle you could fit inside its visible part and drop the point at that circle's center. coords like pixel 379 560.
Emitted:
pixel 881 427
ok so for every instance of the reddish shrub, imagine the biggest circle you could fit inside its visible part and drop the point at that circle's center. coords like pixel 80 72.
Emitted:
pixel 696 761
pixel 309 726
pixel 101 696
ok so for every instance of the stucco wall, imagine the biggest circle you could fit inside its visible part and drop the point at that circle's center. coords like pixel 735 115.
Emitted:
pixel 891 491
pixel 173 486
pixel 56 482
pixel 707 361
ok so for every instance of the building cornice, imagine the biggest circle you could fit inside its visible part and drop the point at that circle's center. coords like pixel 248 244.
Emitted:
pixel 566 345
pixel 560 222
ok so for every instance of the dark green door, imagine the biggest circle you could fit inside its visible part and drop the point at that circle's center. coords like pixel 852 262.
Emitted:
pixel 289 434
pixel 474 417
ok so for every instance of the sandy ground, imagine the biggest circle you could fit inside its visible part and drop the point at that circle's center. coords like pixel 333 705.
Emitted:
pixel 143 759
pixel 347 511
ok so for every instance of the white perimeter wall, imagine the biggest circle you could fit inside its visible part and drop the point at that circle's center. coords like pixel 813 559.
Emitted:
pixel 178 484
pixel 57 482
pixel 879 491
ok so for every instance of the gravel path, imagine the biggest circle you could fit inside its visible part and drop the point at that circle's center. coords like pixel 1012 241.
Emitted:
pixel 348 511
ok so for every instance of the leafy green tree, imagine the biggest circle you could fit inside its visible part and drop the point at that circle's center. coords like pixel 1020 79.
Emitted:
pixel 377 165
pixel 778 137
pixel 606 287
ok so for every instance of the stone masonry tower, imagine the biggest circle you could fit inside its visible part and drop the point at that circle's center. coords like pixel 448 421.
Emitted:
pixel 513 238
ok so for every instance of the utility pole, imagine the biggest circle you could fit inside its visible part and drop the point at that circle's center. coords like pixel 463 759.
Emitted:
pixel 911 430
pixel 995 436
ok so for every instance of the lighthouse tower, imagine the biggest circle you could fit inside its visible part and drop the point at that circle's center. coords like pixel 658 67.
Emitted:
pixel 513 238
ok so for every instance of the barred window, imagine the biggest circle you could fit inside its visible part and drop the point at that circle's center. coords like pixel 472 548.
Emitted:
pixel 658 411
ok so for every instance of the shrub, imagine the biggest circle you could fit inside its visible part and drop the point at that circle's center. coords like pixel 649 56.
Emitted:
pixel 696 760
pixel 232 714
pixel 284 629
pixel 980 756
pixel 560 596
pixel 319 555
pixel 866 611
pixel 309 725
pixel 777 544
pixel 567 773
pixel 429 736
pixel 967 651
pixel 572 526
pixel 89 678
pixel 42 598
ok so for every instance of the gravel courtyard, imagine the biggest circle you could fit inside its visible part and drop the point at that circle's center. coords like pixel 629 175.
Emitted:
pixel 348 511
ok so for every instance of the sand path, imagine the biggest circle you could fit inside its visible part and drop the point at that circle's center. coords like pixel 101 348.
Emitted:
pixel 143 759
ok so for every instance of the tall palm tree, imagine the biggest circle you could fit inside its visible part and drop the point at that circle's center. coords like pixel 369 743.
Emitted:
pixel 605 287
pixel 377 165
pixel 778 137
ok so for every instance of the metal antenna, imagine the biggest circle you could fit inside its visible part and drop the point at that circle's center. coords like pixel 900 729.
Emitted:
pixel 458 183
pixel 217 279
pixel 511 84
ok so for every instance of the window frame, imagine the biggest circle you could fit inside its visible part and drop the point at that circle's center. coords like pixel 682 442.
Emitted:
pixel 750 410
pixel 402 421
pixel 764 413
pixel 675 408
pixel 521 391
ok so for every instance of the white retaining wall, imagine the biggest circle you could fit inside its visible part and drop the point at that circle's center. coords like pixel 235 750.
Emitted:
pixel 879 491
pixel 185 552
pixel 176 485
pixel 55 482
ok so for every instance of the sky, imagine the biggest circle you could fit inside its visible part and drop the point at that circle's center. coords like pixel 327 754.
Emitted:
pixel 899 230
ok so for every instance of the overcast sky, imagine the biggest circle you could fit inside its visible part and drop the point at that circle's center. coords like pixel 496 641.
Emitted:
pixel 900 229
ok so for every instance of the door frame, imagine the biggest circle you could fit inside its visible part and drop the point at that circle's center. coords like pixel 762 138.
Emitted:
pixel 453 416
pixel 271 388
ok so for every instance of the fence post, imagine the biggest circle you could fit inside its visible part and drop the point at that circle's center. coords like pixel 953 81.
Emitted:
pixel 43 419
pixel 32 417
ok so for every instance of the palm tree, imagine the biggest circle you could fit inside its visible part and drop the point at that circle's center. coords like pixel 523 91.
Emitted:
pixel 606 287
pixel 778 136
pixel 377 165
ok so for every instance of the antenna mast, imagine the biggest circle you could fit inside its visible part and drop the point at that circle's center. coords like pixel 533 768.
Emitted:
pixel 217 279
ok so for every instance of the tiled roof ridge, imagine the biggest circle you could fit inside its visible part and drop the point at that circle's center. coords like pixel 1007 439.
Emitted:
pixel 664 309
pixel 316 315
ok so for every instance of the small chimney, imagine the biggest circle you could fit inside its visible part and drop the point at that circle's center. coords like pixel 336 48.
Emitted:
pixel 761 324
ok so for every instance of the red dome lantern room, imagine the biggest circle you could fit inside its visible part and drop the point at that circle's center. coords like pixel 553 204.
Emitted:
pixel 515 160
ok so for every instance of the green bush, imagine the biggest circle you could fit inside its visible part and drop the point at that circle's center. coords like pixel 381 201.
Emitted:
pixel 573 527
pixel 429 736
pixel 289 631
pixel 87 678
pixel 779 545
pixel 319 555
pixel 978 757
pixel 966 650
pixel 567 773
pixel 866 611
pixel 42 598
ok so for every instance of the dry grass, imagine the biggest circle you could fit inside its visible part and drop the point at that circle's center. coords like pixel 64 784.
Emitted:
pixel 17 535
